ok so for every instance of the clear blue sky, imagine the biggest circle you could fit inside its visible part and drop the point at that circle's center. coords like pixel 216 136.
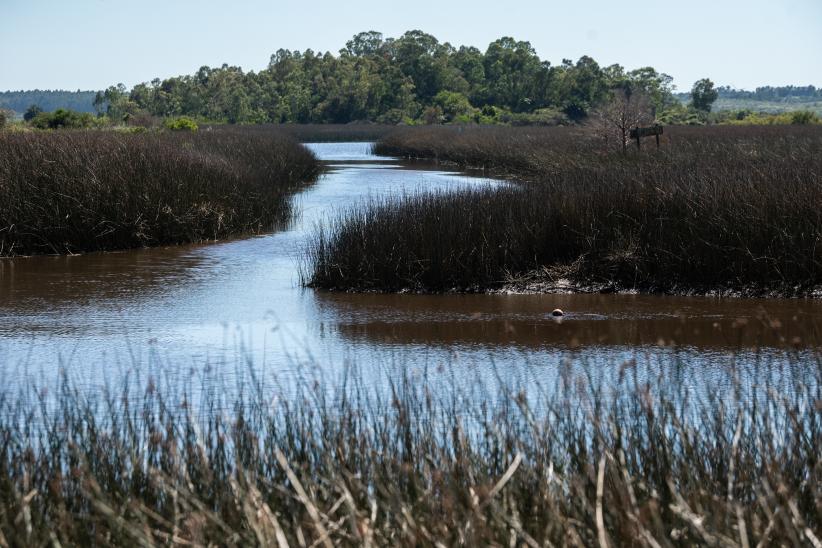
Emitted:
pixel 91 44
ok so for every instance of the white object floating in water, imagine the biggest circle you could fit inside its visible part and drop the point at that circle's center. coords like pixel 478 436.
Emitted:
pixel 557 312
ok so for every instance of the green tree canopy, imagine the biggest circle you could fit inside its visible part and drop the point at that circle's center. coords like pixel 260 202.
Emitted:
pixel 703 95
pixel 378 78
pixel 514 75
pixel 31 112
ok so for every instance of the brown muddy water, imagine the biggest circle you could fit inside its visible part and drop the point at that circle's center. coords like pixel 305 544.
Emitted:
pixel 239 305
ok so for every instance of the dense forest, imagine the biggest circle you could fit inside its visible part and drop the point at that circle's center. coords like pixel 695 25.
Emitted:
pixel 48 100
pixel 412 79
pixel 390 80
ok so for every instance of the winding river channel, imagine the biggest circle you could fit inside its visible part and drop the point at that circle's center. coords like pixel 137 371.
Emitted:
pixel 181 309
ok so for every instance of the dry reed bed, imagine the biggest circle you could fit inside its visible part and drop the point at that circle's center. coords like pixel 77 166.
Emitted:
pixel 321 133
pixel 732 209
pixel 642 463
pixel 76 191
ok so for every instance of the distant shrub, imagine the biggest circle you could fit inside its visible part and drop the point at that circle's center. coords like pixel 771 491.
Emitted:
pixel 680 115
pixel 747 117
pixel 540 117
pixel 393 117
pixel 804 117
pixel 32 112
pixel 63 119
pixel 182 123
pixel 453 105
pixel 497 115
pixel 3 119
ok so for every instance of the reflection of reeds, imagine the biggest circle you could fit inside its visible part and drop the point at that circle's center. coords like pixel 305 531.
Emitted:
pixel 416 462
pixel 714 208
pixel 71 191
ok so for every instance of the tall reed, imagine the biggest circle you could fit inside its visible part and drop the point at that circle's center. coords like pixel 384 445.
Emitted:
pixel 75 191
pixel 417 462
pixel 713 209
pixel 320 133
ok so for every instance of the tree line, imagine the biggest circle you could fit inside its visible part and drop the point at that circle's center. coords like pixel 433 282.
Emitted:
pixel 772 93
pixel 414 78
pixel 411 79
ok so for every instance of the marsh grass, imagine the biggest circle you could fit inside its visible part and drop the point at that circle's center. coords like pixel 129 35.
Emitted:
pixel 320 133
pixel 730 209
pixel 77 191
pixel 515 151
pixel 415 461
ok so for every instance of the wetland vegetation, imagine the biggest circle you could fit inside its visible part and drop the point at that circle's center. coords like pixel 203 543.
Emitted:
pixel 77 191
pixel 721 209
pixel 322 133
pixel 609 452
pixel 638 460
pixel 660 424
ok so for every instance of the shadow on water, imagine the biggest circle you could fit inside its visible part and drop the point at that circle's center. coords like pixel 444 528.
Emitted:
pixel 590 320
pixel 239 301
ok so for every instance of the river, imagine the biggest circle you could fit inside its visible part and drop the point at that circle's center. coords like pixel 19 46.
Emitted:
pixel 181 309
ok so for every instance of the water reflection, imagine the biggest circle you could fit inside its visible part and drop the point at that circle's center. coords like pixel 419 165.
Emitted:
pixel 64 294
pixel 235 305
pixel 197 301
pixel 590 320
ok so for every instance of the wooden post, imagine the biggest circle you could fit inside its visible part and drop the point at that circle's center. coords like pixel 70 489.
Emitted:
pixel 639 132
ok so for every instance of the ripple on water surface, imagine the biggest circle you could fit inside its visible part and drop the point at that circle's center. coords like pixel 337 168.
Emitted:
pixel 240 300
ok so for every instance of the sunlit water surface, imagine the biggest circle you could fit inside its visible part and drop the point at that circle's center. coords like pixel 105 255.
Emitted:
pixel 236 310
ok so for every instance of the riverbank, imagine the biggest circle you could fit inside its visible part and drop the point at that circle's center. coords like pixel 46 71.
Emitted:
pixel 65 192
pixel 561 281
pixel 714 210
pixel 641 460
